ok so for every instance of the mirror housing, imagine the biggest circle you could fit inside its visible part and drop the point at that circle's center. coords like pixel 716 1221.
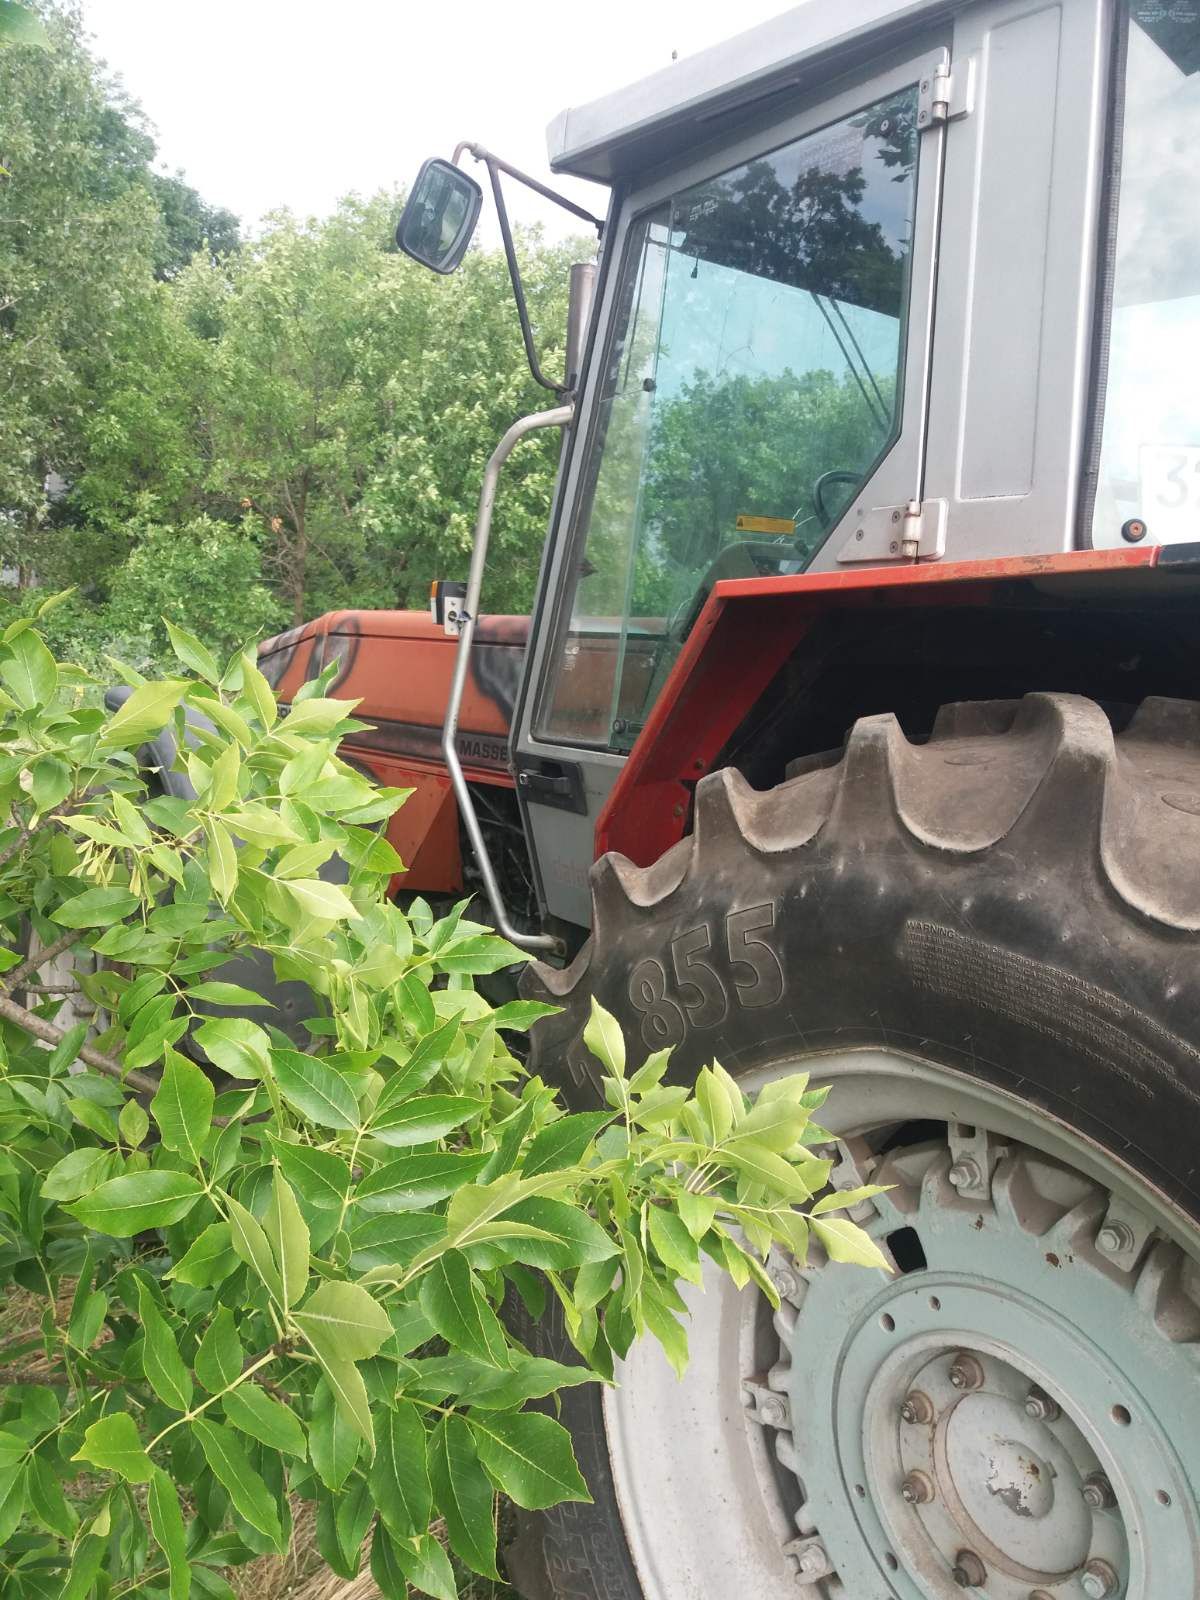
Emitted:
pixel 439 216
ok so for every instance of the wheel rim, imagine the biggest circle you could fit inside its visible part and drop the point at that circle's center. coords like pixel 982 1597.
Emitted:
pixel 1016 1415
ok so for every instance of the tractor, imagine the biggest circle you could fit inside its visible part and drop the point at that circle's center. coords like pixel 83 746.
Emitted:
pixel 855 729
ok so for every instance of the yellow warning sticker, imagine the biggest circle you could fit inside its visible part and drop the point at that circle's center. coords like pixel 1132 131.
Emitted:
pixel 765 525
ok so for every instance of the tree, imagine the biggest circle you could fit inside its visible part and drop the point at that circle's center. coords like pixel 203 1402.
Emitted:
pixel 271 1262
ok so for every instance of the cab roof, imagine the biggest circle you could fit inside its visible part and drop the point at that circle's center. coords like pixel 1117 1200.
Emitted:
pixel 666 113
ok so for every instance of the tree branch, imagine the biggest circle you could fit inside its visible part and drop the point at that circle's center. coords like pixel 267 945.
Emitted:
pixel 15 979
pixel 49 1034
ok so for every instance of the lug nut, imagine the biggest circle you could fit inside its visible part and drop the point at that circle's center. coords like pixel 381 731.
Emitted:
pixel 786 1283
pixel 773 1411
pixel 966 1373
pixel 1040 1407
pixel 1098 1580
pixel 968 1571
pixel 1098 1492
pixel 916 1407
pixel 966 1174
pixel 1115 1238
pixel 814 1562
pixel 917 1489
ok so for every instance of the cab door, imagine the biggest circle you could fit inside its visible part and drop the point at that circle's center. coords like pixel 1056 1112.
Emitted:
pixel 755 404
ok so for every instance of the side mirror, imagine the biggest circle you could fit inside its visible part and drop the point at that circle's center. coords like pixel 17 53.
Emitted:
pixel 439 218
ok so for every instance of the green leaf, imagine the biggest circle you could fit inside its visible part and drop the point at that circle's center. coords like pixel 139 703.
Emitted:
pixel 451 1299
pixel 239 1047
pixel 844 1199
pixel 220 1357
pixel 317 1091
pixel 844 1240
pixel 673 1244
pixel 133 1123
pixel 165 1371
pixel 209 1260
pixel 231 1467
pixel 182 1106
pixel 145 713
pixel 166 1522
pixel 250 1242
pixel 253 1411
pixel 29 670
pixel 316 898
pixel 563 1143
pixel 426 1566
pixel 515 1016
pixel 344 1321
pixel 696 1212
pixel 464 1495
pixel 412 1182
pixel 51 782
pixel 529 1457
pixel 78 1173
pixel 399 1474
pixel 113 1445
pixel 603 1037
pixel 764 1166
pixel 95 908
pixel 47 1503
pixel 66 1049
pixel 86 1558
pixel 350 1394
pixel 318 1176
pixel 140 1200
pixel 287 1234
pixel 13 1486
pixel 333 1441
pixel 423 1118
pixel 777 1124
pixel 225 994
pixel 194 655
pixel 532 1378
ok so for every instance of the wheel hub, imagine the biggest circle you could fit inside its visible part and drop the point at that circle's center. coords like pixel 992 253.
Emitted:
pixel 1004 1484
pixel 983 1422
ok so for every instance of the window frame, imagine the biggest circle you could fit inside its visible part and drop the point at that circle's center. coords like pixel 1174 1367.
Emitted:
pixel 897 474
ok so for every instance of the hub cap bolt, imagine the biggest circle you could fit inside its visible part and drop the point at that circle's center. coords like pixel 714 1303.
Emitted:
pixel 916 1407
pixel 1041 1408
pixel 966 1373
pixel 968 1571
pixel 1098 1492
pixel 965 1174
pixel 916 1490
pixel 1098 1580
pixel 1115 1238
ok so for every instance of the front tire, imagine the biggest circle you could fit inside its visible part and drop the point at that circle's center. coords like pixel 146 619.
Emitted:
pixel 990 945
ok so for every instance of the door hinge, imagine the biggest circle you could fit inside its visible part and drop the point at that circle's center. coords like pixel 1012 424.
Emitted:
pixel 947 94
pixel 911 532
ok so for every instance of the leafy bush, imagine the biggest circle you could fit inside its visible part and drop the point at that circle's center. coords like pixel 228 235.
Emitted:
pixel 271 1266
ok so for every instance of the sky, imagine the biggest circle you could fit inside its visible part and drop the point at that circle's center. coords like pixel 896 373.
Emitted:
pixel 268 103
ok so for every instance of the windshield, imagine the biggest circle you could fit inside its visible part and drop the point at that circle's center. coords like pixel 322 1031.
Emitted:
pixel 752 383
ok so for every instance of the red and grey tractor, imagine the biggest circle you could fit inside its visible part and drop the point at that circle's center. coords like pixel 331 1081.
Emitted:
pixel 855 729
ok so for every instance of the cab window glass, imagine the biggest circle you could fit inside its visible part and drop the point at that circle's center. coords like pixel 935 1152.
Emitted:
pixel 752 382
pixel 1150 448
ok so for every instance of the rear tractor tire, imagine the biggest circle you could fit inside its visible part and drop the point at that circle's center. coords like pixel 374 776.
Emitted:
pixel 989 945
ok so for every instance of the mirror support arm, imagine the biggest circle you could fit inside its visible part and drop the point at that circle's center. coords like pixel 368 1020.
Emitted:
pixel 560 417
pixel 495 167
